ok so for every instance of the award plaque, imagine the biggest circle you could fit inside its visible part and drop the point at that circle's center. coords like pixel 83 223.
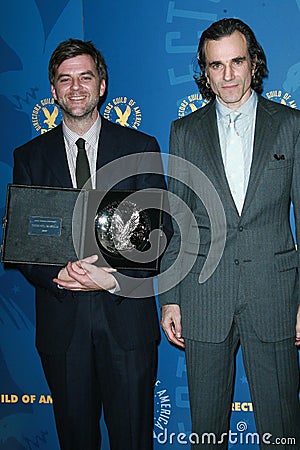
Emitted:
pixel 54 225
pixel 128 228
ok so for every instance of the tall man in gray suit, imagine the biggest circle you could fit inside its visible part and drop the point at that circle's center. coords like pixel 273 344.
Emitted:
pixel 249 148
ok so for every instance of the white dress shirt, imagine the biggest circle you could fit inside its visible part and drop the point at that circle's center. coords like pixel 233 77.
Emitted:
pixel 91 138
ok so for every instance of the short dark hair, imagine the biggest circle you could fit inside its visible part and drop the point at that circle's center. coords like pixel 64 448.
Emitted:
pixel 225 27
pixel 75 47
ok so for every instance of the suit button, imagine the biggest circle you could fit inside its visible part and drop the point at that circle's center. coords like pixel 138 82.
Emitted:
pixel 236 262
pixel 241 228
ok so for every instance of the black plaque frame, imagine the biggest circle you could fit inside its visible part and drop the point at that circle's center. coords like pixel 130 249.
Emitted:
pixel 51 226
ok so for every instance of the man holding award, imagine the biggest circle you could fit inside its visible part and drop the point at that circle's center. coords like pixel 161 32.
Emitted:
pixel 98 347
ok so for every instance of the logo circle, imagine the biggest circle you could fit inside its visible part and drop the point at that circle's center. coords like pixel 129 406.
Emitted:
pixel 241 426
pixel 123 111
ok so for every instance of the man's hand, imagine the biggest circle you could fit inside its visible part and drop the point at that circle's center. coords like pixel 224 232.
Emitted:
pixel 171 324
pixel 297 342
pixel 83 275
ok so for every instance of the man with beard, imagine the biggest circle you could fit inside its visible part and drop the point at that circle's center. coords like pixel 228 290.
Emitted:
pixel 96 348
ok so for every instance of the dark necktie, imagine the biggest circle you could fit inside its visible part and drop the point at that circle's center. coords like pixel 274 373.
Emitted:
pixel 83 172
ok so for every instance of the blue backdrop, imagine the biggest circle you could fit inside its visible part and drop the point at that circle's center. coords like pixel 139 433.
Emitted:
pixel 150 49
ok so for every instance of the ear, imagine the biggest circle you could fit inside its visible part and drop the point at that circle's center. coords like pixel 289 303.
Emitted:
pixel 53 92
pixel 102 88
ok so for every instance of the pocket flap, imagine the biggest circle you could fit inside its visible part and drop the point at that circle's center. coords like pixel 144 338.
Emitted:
pixel 287 260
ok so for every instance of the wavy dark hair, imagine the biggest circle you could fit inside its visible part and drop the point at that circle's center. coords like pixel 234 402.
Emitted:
pixel 225 27
pixel 75 47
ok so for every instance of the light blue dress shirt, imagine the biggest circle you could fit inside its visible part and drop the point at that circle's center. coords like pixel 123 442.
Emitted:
pixel 245 127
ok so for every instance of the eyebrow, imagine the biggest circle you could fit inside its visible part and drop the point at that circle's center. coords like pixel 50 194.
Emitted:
pixel 87 72
pixel 236 59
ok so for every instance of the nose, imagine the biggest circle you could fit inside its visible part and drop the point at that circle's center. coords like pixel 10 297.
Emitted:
pixel 228 72
pixel 75 83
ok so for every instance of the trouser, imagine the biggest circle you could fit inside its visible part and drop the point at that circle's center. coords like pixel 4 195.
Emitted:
pixel 97 373
pixel 273 375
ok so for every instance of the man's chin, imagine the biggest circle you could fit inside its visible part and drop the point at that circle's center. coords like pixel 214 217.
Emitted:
pixel 233 102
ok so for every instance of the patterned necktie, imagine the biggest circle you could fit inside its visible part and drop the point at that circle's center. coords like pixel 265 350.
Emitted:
pixel 234 166
pixel 83 172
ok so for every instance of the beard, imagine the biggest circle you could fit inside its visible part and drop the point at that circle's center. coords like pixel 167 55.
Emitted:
pixel 78 112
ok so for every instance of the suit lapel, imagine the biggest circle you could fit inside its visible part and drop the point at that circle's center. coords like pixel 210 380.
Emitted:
pixel 109 149
pixel 209 136
pixel 109 145
pixel 266 128
pixel 56 158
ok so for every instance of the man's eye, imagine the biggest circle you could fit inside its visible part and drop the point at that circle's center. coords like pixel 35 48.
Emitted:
pixel 238 62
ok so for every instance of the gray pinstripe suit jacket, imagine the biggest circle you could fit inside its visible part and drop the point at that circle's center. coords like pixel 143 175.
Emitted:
pixel 259 264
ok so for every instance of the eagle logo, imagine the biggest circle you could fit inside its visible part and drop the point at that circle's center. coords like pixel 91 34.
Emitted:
pixel 50 117
pixel 45 115
pixel 123 116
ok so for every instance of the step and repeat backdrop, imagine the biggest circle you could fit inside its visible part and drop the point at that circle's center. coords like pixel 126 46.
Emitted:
pixel 150 50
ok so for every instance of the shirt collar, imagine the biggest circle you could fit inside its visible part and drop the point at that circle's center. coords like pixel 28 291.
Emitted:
pixel 91 135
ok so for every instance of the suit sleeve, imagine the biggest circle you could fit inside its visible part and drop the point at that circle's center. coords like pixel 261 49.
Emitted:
pixel 38 275
pixel 174 255
pixel 295 192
